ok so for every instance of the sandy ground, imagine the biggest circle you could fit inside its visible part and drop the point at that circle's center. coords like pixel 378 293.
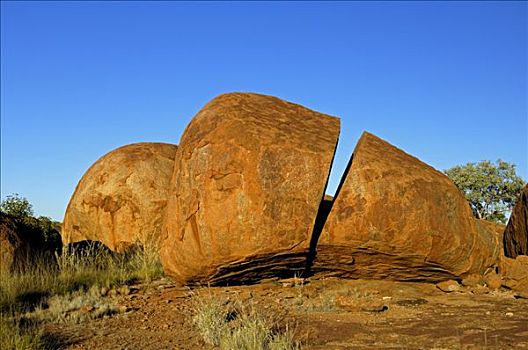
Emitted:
pixel 325 314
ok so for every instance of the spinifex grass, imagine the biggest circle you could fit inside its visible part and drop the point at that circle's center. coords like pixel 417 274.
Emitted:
pixel 73 272
pixel 239 326
pixel 15 335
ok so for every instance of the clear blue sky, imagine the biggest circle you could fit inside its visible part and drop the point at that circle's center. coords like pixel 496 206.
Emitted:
pixel 446 82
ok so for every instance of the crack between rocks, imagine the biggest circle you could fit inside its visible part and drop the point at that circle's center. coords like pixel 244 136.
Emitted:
pixel 322 214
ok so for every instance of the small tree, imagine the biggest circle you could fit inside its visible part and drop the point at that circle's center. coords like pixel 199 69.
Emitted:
pixel 491 189
pixel 16 206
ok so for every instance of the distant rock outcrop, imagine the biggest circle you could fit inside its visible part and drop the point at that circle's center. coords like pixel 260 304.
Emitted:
pixel 12 247
pixel 27 241
pixel 251 173
pixel 395 217
pixel 121 198
pixel 516 233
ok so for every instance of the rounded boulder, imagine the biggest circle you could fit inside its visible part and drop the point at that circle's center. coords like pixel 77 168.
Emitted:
pixel 395 217
pixel 121 198
pixel 252 173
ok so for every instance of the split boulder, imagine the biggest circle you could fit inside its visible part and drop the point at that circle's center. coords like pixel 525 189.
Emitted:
pixel 395 217
pixel 252 172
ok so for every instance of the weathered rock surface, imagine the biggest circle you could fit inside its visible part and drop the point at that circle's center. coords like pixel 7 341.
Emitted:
pixel 473 280
pixel 448 286
pixel 11 244
pixel 497 228
pixel 494 227
pixel 121 199
pixel 493 280
pixel 252 174
pixel 516 233
pixel 515 274
pixel 395 217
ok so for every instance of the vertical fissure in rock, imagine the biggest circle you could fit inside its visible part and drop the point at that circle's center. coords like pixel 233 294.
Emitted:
pixel 322 215
pixel 325 205
pixel 343 178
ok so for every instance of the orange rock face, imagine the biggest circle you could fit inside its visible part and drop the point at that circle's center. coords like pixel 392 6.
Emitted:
pixel 497 228
pixel 515 274
pixel 252 173
pixel 395 217
pixel 516 233
pixel 121 199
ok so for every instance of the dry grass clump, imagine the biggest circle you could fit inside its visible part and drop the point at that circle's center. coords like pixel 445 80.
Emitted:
pixel 333 300
pixel 75 307
pixel 77 269
pixel 210 318
pixel 325 302
pixel 66 289
pixel 238 326
pixel 70 271
pixel 15 335
pixel 144 261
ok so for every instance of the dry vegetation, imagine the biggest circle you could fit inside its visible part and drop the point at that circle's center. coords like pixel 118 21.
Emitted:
pixel 69 288
pixel 77 287
pixel 93 299
pixel 239 326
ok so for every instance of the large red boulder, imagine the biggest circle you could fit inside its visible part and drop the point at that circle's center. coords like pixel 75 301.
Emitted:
pixel 516 233
pixel 252 171
pixel 395 217
pixel 121 198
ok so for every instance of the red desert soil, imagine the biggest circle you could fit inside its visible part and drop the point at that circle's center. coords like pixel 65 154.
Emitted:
pixel 325 313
